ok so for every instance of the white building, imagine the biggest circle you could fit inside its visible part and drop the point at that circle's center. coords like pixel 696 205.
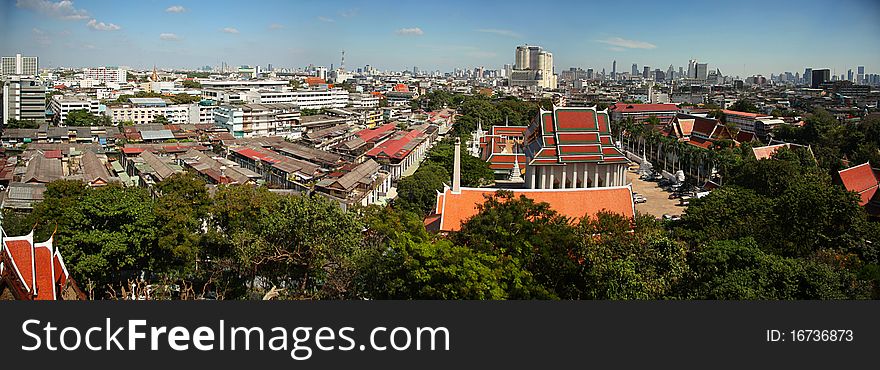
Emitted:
pixel 19 65
pixel 305 99
pixel 62 105
pixel 245 85
pixel 106 75
pixel 533 68
pixel 363 100
pixel 255 120
pixel 199 113
pixel 145 110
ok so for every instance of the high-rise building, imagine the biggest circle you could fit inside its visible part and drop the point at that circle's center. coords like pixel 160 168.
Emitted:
pixel 635 70
pixel 613 69
pixel 702 71
pixel 670 73
pixel 646 70
pixel 681 72
pixel 692 69
pixel 849 75
pixel 19 65
pixel 860 76
pixel 24 98
pixel 818 76
pixel 534 67
pixel 589 73
pixel 808 76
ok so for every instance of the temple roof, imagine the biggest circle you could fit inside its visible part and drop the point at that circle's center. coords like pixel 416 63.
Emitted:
pixel 455 208
pixel 570 135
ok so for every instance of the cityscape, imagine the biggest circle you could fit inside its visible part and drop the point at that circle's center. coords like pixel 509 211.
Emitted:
pixel 363 151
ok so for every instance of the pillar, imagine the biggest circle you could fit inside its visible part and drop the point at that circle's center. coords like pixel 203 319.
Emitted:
pixel 564 176
pixel 574 176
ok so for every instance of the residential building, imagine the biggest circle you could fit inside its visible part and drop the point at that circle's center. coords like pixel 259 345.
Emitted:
pixel 750 122
pixel 356 184
pixel 401 151
pixel 19 65
pixel 106 75
pixel 533 68
pixel 254 120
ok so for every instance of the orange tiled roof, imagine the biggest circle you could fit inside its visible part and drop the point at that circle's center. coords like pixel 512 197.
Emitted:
pixel 861 179
pixel 36 271
pixel 766 152
pixel 574 203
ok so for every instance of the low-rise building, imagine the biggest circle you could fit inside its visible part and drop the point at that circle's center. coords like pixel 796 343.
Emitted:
pixel 254 120
pixel 356 184
pixel 400 152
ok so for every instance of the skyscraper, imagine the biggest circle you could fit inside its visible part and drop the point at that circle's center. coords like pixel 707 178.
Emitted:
pixel 702 71
pixel 692 68
pixel 533 67
pixel 645 72
pixel 808 76
pixel 635 70
pixel 19 65
pixel 614 69
pixel 849 75
pixel 860 76
pixel 818 76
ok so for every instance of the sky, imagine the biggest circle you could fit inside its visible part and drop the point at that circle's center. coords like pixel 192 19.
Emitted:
pixel 741 37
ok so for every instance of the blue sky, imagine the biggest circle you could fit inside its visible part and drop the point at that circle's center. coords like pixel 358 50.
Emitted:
pixel 740 37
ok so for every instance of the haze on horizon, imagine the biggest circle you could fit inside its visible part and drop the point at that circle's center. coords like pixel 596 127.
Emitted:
pixel 738 37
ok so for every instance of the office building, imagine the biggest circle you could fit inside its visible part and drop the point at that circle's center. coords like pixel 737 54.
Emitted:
pixel 702 71
pixel 818 76
pixel 19 66
pixel 692 69
pixel 646 71
pixel 24 98
pixel 860 75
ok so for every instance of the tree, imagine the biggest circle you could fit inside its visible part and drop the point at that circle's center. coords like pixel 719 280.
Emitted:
pixel 418 193
pixel 184 98
pixel 191 84
pixel 474 171
pixel 741 270
pixel 160 119
pixel 82 117
pixel 744 106
pixel 181 210
pixel 107 234
pixel 24 123
pixel 532 235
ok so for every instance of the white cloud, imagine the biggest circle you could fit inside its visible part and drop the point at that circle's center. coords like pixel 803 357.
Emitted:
pixel 276 26
pixel 348 13
pixel 169 37
pixel 41 37
pixel 62 9
pixel 230 30
pixel 628 44
pixel 498 32
pixel 414 31
pixel 101 26
pixel 175 9
pixel 325 19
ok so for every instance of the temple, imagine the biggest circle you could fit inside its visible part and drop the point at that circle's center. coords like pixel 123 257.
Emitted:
pixel 34 271
pixel 571 148
pixel 569 161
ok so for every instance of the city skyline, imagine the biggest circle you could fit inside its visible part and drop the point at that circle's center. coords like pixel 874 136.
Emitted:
pixel 447 35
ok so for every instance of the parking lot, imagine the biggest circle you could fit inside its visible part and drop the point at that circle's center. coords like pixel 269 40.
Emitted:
pixel 658 202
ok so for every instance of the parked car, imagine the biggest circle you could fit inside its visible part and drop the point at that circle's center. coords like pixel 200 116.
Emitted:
pixel 639 199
